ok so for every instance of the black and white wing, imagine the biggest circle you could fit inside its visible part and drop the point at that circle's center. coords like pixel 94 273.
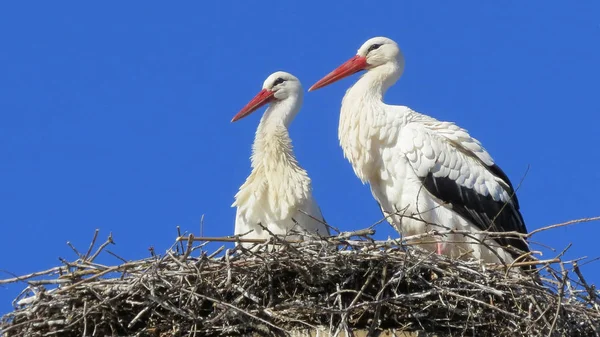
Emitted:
pixel 456 169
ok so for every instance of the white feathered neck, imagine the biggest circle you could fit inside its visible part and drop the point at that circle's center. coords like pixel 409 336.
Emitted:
pixel 277 185
pixel 363 117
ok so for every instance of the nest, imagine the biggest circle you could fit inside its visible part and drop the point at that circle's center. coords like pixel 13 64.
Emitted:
pixel 337 286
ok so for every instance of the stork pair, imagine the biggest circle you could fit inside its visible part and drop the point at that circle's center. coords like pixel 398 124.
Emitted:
pixel 424 173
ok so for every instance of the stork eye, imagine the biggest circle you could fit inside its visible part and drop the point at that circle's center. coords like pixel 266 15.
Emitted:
pixel 278 81
pixel 375 46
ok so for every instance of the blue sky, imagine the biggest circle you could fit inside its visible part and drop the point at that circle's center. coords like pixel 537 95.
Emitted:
pixel 117 117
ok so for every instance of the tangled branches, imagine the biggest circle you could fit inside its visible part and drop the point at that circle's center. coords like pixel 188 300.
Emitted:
pixel 344 284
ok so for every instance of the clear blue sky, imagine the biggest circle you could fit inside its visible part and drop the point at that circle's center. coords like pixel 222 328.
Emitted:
pixel 117 117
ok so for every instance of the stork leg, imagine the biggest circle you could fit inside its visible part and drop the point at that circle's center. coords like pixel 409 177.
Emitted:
pixel 439 248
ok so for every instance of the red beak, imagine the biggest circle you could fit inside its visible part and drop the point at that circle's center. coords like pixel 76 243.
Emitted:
pixel 352 66
pixel 262 98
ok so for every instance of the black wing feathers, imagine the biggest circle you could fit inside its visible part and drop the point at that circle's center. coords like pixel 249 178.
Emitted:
pixel 497 171
pixel 483 211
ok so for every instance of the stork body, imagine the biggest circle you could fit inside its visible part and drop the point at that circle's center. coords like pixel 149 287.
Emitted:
pixel 424 173
pixel 277 196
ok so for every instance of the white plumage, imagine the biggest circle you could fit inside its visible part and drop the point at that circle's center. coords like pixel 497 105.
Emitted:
pixel 425 174
pixel 278 192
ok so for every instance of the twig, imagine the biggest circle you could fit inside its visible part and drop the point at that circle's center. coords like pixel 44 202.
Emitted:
pixel 137 317
pixel 201 225
pixel 590 289
pixel 28 276
pixel 109 241
pixel 214 300
pixel 558 303
pixel 188 250
pixel 181 243
pixel 89 251
pixel 117 256
pixel 74 250
pixel 563 224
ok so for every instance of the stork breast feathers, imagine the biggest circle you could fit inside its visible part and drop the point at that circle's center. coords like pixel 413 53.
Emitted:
pixel 277 185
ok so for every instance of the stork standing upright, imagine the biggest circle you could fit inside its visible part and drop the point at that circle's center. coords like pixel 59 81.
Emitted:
pixel 424 173
pixel 277 196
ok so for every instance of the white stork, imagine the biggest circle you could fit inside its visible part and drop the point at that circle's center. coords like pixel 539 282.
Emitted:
pixel 425 174
pixel 278 194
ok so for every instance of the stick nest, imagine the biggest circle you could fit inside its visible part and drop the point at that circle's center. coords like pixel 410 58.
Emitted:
pixel 338 285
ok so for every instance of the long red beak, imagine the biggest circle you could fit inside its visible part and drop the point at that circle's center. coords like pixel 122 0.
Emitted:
pixel 352 66
pixel 262 98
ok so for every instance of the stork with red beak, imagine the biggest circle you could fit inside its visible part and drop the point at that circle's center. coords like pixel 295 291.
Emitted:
pixel 277 196
pixel 424 173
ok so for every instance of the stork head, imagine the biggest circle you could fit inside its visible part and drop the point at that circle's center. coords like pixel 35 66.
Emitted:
pixel 277 88
pixel 375 53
